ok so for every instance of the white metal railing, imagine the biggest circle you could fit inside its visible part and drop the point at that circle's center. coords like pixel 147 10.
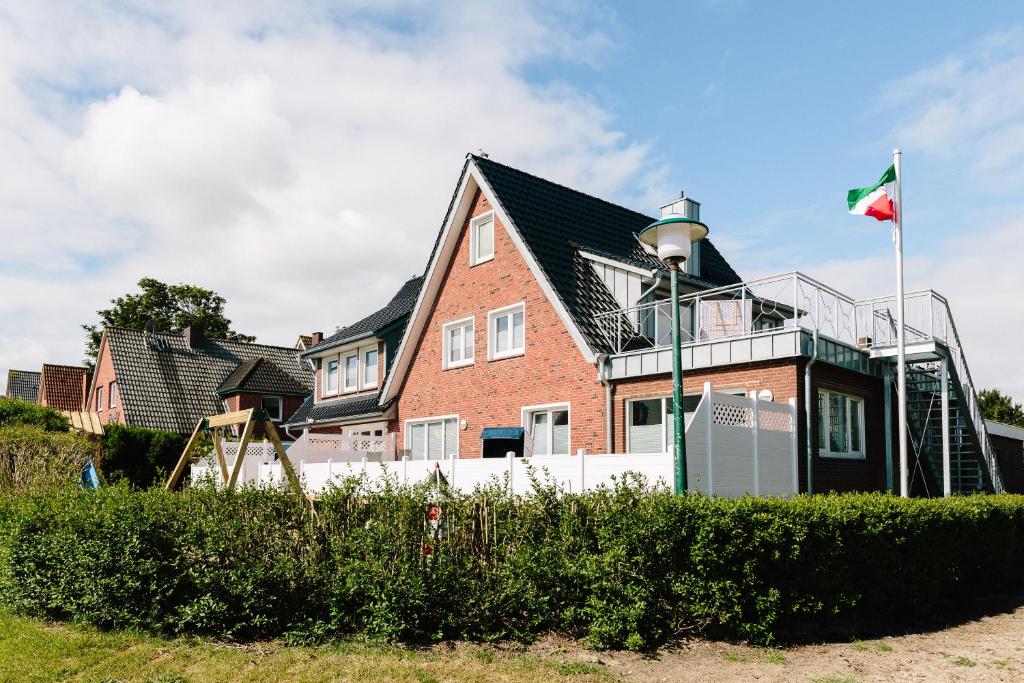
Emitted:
pixel 927 317
pixel 792 300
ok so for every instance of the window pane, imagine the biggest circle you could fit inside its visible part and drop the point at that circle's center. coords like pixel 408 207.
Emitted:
pixel 822 421
pixel 539 430
pixel 451 437
pixel 517 330
pixel 484 240
pixel 560 432
pixel 113 394
pixel 454 345
pixel 370 367
pixel 332 375
pixel 838 422
pixel 351 367
pixel 501 334
pixel 434 440
pixel 467 341
pixel 417 445
pixel 645 426
pixel 855 407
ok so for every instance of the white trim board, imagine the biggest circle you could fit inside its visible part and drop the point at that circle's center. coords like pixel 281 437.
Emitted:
pixel 472 179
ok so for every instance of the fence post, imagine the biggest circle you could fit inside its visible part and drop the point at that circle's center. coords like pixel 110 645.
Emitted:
pixel 792 444
pixel 510 458
pixel 451 480
pixel 330 469
pixel 709 396
pixel 405 470
pixel 755 428
pixel 582 455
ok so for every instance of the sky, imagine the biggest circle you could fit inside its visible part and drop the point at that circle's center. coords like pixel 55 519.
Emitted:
pixel 298 157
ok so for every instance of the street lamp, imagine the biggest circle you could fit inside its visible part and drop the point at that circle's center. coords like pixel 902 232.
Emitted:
pixel 673 237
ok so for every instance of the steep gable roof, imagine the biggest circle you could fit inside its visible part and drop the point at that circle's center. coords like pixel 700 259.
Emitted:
pixel 395 310
pixel 64 386
pixel 260 376
pixel 166 384
pixel 364 405
pixel 23 384
pixel 551 225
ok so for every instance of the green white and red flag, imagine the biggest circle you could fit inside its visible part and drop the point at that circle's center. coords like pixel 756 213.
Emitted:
pixel 875 201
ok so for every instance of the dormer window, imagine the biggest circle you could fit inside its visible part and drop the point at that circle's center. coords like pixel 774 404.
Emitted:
pixel 369 368
pixel 351 372
pixel 331 377
pixel 481 239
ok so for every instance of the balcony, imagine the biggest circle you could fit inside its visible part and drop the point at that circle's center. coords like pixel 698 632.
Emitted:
pixel 774 317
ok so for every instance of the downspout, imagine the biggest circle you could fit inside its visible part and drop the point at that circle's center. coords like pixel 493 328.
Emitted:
pixel 807 410
pixel 657 281
pixel 602 377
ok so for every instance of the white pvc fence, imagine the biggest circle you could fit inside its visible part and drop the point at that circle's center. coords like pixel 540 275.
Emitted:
pixel 753 443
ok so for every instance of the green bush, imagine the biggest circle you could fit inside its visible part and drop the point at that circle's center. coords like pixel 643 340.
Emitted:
pixel 142 457
pixel 624 567
pixel 33 458
pixel 14 412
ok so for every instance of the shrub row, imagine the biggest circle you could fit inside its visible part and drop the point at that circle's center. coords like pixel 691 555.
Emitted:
pixel 33 458
pixel 142 457
pixel 625 567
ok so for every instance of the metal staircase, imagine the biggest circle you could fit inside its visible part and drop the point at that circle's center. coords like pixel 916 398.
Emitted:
pixel 924 421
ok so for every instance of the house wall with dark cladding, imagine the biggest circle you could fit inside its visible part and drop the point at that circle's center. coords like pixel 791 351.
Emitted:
pixel 1010 454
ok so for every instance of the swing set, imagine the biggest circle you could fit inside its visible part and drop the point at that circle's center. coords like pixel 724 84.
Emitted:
pixel 215 425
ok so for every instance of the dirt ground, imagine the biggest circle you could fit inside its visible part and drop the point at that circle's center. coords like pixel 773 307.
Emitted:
pixel 987 645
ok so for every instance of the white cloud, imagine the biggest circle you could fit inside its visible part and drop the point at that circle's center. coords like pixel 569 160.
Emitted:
pixel 296 157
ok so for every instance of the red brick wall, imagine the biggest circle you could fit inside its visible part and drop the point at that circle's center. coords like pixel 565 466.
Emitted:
pixel 103 375
pixel 492 393
pixel 778 375
pixel 245 401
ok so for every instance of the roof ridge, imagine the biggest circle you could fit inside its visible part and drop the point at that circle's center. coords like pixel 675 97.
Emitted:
pixel 177 335
pixel 564 187
pixel 60 365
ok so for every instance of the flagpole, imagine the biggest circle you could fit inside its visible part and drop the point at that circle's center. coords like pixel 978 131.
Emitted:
pixel 901 356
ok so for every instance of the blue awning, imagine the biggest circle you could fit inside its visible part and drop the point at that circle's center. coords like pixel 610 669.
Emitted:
pixel 502 433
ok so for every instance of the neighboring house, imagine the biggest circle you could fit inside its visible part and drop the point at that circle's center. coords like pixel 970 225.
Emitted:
pixel 23 384
pixel 63 387
pixel 350 368
pixel 541 314
pixel 303 342
pixel 171 381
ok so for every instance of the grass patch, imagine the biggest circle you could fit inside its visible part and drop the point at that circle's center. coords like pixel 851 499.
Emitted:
pixel 31 650
pixel 860 646
pixel 834 679
pixel 964 661
pixel 734 657
pixel 883 647
pixel 774 657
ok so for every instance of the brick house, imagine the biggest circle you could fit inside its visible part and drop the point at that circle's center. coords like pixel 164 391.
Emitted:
pixel 63 387
pixel 349 370
pixel 171 381
pixel 541 317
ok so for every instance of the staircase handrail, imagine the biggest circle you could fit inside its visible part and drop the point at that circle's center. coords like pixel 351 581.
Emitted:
pixel 973 405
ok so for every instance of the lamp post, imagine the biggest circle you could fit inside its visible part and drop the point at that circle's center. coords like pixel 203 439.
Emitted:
pixel 673 237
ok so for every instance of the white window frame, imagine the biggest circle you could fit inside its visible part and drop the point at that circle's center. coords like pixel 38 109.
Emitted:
pixel 665 402
pixel 492 326
pixel 280 407
pixel 474 239
pixel 328 391
pixel 364 366
pixel 426 433
pixel 463 323
pixel 112 391
pixel 99 399
pixel 345 386
pixel 825 452
pixel 526 415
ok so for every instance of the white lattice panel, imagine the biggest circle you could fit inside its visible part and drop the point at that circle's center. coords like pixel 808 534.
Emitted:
pixel 732 415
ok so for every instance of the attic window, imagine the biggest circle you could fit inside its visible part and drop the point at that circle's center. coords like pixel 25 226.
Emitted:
pixel 481 239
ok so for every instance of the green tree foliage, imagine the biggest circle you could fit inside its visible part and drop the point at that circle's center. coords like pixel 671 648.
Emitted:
pixel 142 457
pixel 170 308
pixel 995 405
pixel 623 567
pixel 15 412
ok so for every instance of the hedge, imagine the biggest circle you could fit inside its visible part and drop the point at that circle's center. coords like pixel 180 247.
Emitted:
pixel 15 413
pixel 142 457
pixel 628 567
pixel 33 458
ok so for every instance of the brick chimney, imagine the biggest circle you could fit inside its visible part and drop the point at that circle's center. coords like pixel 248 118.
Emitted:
pixel 317 337
pixel 193 334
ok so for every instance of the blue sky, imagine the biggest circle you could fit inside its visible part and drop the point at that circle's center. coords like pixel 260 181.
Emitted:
pixel 313 141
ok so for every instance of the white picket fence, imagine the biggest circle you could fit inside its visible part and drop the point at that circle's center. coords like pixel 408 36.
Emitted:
pixel 753 443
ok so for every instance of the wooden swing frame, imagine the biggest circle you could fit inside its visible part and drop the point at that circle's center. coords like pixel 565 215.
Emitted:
pixel 216 423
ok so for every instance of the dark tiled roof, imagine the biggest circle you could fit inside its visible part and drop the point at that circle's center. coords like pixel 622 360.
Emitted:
pixel 165 384
pixel 63 386
pixel 23 384
pixel 260 376
pixel 339 409
pixel 556 222
pixel 400 306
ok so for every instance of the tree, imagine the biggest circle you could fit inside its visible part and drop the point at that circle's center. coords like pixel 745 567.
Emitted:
pixel 995 405
pixel 170 308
